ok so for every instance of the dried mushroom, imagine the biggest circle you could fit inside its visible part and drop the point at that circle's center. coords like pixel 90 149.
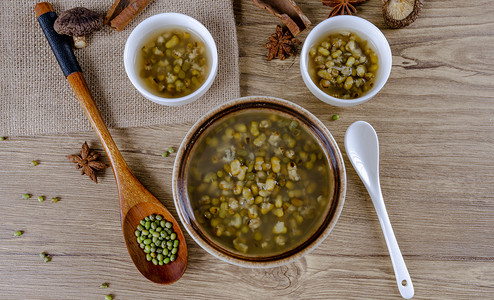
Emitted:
pixel 401 13
pixel 78 22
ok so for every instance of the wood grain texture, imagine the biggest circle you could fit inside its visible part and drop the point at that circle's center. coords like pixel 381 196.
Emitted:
pixel 435 123
pixel 136 202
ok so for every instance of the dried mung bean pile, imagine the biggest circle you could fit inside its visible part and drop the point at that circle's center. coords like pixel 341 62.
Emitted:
pixel 343 66
pixel 173 63
pixel 156 237
pixel 259 183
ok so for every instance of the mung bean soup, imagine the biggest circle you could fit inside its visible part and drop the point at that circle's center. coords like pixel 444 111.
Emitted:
pixel 259 183
pixel 343 65
pixel 173 63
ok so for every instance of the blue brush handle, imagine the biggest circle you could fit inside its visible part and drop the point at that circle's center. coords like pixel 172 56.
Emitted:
pixel 60 44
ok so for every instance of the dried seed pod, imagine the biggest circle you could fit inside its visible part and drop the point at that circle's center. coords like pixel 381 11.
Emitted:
pixel 401 13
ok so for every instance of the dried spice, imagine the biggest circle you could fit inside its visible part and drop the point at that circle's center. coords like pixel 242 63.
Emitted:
pixel 117 7
pixel 281 44
pixel 123 11
pixel 88 162
pixel 342 7
pixel 289 13
pixel 401 13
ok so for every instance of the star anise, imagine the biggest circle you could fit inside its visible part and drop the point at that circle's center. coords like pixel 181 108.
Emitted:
pixel 88 162
pixel 281 44
pixel 342 7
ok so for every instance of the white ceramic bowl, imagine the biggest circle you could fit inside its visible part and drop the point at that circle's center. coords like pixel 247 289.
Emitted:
pixel 365 30
pixel 159 22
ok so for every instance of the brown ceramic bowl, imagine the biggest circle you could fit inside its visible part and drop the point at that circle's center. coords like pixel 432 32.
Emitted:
pixel 285 109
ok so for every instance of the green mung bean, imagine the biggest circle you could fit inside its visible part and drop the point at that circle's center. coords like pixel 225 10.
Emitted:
pixel 342 73
pixel 173 64
pixel 156 242
pixel 46 258
pixel 266 162
pixel 104 285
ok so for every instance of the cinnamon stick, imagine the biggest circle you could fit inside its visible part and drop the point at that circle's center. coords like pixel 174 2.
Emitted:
pixel 289 13
pixel 115 10
pixel 127 14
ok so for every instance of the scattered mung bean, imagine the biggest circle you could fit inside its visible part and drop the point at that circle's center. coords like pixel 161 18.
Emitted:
pixel 46 258
pixel 104 285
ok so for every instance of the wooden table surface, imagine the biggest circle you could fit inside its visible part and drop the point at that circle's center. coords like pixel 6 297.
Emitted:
pixel 435 122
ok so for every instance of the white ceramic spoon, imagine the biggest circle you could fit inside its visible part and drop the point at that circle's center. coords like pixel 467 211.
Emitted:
pixel 362 148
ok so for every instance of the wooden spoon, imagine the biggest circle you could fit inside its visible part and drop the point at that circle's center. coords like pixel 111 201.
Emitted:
pixel 136 202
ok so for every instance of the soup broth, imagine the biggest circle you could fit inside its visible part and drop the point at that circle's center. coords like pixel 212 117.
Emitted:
pixel 343 65
pixel 173 63
pixel 259 183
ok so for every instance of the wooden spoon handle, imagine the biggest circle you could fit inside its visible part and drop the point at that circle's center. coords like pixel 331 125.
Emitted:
pixel 71 69
pixel 86 100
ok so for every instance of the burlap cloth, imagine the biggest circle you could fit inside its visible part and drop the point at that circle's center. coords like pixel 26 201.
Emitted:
pixel 37 99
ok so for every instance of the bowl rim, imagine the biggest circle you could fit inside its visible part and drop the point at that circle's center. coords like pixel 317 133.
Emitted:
pixel 198 28
pixel 259 102
pixel 364 29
